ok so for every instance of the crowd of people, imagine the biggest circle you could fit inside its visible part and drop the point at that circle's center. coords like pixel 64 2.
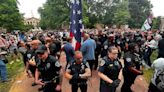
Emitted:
pixel 116 54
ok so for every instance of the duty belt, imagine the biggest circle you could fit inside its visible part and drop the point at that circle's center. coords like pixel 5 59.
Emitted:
pixel 51 81
pixel 81 83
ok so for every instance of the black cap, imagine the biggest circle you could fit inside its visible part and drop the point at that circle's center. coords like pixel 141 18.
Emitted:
pixel 41 49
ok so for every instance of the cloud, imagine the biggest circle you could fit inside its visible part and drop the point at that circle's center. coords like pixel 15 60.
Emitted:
pixel 158 7
pixel 30 6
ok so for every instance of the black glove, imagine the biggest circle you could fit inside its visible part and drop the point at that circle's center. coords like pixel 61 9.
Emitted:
pixel 75 76
pixel 116 82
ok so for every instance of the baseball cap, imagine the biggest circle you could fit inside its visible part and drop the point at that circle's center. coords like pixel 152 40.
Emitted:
pixel 41 49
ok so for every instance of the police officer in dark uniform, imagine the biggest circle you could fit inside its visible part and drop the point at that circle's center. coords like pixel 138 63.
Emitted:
pixel 32 59
pixel 49 69
pixel 77 72
pixel 132 67
pixel 110 71
pixel 109 42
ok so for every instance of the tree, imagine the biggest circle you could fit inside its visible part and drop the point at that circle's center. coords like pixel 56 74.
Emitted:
pixel 139 11
pixel 121 14
pixel 109 12
pixel 10 18
pixel 54 13
pixel 156 23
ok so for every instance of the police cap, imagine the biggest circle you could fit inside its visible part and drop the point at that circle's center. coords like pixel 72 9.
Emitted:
pixel 41 49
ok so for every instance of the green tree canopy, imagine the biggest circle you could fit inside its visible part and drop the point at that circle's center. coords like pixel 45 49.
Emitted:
pixel 139 11
pixel 55 13
pixel 156 23
pixel 10 18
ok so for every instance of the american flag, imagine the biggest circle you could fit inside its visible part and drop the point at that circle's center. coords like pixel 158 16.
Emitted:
pixel 76 23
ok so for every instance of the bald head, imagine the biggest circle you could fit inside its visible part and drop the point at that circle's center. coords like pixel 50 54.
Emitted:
pixel 35 42
pixel 78 57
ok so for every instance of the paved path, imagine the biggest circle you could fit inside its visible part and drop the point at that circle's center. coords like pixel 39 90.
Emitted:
pixel 23 83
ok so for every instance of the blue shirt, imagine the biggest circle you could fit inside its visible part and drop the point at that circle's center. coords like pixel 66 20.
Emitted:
pixel 88 49
pixel 69 51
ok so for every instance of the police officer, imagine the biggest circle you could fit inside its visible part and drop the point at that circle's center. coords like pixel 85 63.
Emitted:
pixel 110 71
pixel 77 72
pixel 109 42
pixel 49 69
pixel 32 59
pixel 132 67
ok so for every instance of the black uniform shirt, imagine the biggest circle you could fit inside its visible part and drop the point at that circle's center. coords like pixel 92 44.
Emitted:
pixel 74 68
pixel 110 68
pixel 49 68
pixel 132 60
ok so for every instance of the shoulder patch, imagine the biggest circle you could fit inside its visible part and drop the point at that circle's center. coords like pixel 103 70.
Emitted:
pixel 57 64
pixel 87 64
pixel 48 65
pixel 128 59
pixel 102 62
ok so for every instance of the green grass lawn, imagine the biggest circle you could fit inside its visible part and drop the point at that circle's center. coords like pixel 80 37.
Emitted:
pixel 14 67
pixel 148 73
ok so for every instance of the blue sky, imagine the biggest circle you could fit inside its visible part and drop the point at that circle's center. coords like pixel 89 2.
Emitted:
pixel 30 6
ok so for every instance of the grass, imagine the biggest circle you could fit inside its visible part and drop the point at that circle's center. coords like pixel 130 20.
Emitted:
pixel 149 73
pixel 14 67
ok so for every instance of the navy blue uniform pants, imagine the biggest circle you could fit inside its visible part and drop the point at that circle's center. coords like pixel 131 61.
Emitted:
pixel 83 87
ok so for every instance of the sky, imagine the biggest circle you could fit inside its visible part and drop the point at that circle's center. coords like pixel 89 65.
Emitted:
pixel 30 7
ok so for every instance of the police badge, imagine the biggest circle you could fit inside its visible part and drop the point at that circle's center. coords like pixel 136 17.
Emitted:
pixel 57 64
pixel 48 65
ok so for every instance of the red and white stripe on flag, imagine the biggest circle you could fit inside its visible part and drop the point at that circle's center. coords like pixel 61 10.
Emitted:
pixel 75 43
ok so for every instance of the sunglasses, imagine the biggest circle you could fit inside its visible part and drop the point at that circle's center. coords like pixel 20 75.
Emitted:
pixel 40 53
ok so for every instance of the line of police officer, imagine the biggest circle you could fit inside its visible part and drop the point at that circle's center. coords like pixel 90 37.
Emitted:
pixel 110 69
